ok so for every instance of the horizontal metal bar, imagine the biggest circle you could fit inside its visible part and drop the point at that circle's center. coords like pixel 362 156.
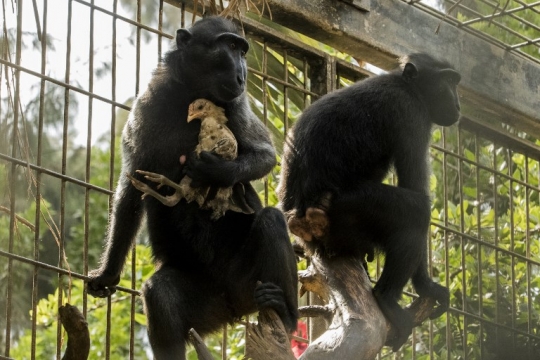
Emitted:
pixel 63 84
pixel 281 82
pixel 484 167
pixel 486 244
pixel 55 174
pixel 119 17
pixel 59 270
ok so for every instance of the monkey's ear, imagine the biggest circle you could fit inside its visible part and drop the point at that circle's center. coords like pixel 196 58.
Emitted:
pixel 182 38
pixel 410 71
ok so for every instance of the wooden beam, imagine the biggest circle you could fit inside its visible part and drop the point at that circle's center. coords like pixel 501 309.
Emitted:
pixel 497 85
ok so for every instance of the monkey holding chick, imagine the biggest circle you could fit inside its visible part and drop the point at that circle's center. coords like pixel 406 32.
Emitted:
pixel 216 138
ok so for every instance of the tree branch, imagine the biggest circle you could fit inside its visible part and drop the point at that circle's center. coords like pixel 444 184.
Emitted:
pixel 78 343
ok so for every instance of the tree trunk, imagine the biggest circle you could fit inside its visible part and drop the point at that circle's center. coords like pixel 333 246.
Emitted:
pixel 357 328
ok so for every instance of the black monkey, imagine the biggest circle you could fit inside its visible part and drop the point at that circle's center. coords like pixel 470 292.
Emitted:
pixel 206 271
pixel 344 145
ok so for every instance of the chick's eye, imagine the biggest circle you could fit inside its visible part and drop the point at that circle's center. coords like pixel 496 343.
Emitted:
pixel 200 107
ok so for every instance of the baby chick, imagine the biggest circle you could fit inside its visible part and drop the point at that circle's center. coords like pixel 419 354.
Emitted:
pixel 214 137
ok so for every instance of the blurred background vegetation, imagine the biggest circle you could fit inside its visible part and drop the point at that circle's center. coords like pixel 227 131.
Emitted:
pixel 469 199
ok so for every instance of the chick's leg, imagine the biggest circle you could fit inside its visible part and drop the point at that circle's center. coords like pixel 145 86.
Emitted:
pixel 170 200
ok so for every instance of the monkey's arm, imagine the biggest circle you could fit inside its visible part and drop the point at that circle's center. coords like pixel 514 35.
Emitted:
pixel 256 154
pixel 124 223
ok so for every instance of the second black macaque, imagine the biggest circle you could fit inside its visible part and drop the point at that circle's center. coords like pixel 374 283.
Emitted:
pixel 339 152
pixel 207 271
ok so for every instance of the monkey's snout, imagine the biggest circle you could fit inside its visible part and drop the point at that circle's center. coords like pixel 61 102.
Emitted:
pixel 240 79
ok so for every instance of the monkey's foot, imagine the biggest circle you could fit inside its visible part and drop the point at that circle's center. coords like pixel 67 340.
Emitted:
pixel 313 225
pixel 147 190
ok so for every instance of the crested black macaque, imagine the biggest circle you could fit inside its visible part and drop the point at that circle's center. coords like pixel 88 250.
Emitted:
pixel 207 271
pixel 344 145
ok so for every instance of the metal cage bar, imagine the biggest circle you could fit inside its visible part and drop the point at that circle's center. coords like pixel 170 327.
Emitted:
pixel 287 75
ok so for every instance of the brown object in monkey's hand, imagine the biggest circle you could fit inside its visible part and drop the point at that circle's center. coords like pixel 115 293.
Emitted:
pixel 78 343
pixel 216 138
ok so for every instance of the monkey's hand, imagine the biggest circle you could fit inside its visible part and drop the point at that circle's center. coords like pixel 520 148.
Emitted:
pixel 102 284
pixel 209 169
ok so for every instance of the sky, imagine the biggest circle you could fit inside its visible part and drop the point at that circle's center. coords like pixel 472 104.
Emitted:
pixel 57 26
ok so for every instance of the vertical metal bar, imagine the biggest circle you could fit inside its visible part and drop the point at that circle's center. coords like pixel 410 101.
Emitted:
pixel 285 93
pixel 449 342
pixel 183 15
pixel 528 255
pixel 265 105
pixel 479 248
pixel 134 246
pixel 36 17
pixel 113 108
pixel 108 330
pixel 111 160
pixel 4 121
pixel 306 83
pixel 38 181
pixel 463 246
pixel 512 249
pixel 224 343
pixel 496 240
pixel 160 28
pixel 12 178
pixel 63 182
pixel 88 154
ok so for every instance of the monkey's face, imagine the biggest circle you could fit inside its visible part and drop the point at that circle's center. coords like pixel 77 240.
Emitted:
pixel 438 87
pixel 445 107
pixel 215 65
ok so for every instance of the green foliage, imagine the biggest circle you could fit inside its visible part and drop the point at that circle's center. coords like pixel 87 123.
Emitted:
pixel 486 223
pixel 511 28
pixel 47 322
pixel 481 256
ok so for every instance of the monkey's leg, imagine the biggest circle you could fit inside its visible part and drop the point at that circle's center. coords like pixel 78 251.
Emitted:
pixel 170 200
pixel 176 301
pixel 395 220
pixel 270 258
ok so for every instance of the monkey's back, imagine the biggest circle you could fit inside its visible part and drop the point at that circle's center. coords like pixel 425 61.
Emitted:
pixel 346 137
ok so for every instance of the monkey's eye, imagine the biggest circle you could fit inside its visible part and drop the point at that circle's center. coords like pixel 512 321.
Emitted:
pixel 232 46
pixel 243 53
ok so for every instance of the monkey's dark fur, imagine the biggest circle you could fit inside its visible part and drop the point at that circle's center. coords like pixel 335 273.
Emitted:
pixel 206 271
pixel 345 144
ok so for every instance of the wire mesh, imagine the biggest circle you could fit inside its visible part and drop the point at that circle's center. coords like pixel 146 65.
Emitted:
pixel 510 24
pixel 65 98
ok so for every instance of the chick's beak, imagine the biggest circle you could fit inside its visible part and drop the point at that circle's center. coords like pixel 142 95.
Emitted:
pixel 192 115
pixel 194 112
